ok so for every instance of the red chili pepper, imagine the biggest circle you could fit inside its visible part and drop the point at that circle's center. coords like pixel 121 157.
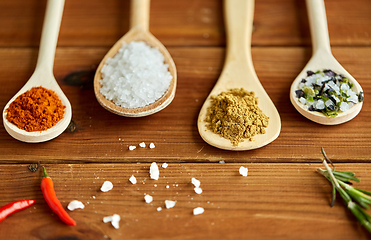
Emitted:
pixel 13 207
pixel 50 197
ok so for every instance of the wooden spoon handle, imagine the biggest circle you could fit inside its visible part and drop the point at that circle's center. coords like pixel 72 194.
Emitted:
pixel 318 25
pixel 239 15
pixel 140 14
pixel 49 35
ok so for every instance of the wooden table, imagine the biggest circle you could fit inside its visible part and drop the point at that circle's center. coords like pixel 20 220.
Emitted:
pixel 282 197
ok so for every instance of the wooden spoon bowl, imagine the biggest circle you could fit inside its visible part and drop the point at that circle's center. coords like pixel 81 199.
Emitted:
pixel 138 32
pixel 322 59
pixel 43 76
pixel 238 72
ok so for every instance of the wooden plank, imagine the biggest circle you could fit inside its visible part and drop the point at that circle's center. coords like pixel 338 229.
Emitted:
pixel 104 137
pixel 275 201
pixel 182 23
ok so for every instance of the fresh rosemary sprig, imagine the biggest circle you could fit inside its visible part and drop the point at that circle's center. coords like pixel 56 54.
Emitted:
pixel 356 199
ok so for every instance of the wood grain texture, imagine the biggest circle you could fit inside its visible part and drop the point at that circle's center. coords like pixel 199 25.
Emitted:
pixel 275 201
pixel 174 129
pixel 182 23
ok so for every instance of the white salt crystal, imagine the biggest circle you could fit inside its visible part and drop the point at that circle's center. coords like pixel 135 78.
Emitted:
pixel 344 106
pixel 142 144
pixel 131 148
pixel 75 204
pixel 159 209
pixel 329 103
pixel 222 161
pixel 148 198
pixel 114 219
pixel 196 182
pixel 198 211
pixel 303 100
pixel 152 145
pixel 107 186
pixel 243 171
pixel 164 165
pixel 169 204
pixel 167 186
pixel 198 190
pixel 132 179
pixel 320 104
pixel 136 76
pixel 154 172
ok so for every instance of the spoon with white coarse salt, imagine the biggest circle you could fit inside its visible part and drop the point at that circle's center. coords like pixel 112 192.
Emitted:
pixel 238 72
pixel 138 36
pixel 323 59
pixel 43 76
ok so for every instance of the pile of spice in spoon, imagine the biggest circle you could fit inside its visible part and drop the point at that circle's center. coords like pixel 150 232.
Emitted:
pixel 327 92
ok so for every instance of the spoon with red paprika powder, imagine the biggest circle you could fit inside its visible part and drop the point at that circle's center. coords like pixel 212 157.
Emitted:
pixel 48 99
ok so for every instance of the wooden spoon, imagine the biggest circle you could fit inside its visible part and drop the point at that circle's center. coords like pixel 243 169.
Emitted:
pixel 139 22
pixel 43 76
pixel 321 59
pixel 238 72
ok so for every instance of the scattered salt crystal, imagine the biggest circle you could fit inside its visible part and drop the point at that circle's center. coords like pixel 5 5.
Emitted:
pixel 196 182
pixel 148 198
pixel 198 190
pixel 114 219
pixel 164 165
pixel 167 186
pixel 136 76
pixel 75 205
pixel 132 179
pixel 222 162
pixel 198 211
pixel 142 144
pixel 131 148
pixel 152 145
pixel 154 172
pixel 107 186
pixel 169 204
pixel 159 209
pixel 243 171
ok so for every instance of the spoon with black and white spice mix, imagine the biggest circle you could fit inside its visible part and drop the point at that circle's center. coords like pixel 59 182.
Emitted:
pixel 238 72
pixel 43 76
pixel 139 25
pixel 321 59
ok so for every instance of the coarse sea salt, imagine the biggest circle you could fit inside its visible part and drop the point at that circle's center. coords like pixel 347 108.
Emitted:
pixel 196 182
pixel 152 145
pixel 75 204
pixel 159 209
pixel 169 204
pixel 142 144
pixel 198 190
pixel 148 198
pixel 198 210
pixel 114 219
pixel 131 148
pixel 243 171
pixel 136 76
pixel 132 179
pixel 107 186
pixel 154 172
pixel 164 165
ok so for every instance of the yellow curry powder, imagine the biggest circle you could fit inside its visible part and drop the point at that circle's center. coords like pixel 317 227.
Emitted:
pixel 235 115
pixel 38 109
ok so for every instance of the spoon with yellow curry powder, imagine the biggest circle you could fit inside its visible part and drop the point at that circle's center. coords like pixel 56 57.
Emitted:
pixel 43 79
pixel 238 83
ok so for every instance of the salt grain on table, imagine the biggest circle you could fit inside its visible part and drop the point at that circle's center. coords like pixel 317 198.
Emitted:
pixel 148 198
pixel 169 204
pixel 132 179
pixel 75 204
pixel 243 171
pixel 198 190
pixel 134 66
pixel 107 186
pixel 152 145
pixel 154 172
pixel 198 211
pixel 164 165
pixel 114 219
pixel 142 144
pixel 195 182
pixel 131 148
